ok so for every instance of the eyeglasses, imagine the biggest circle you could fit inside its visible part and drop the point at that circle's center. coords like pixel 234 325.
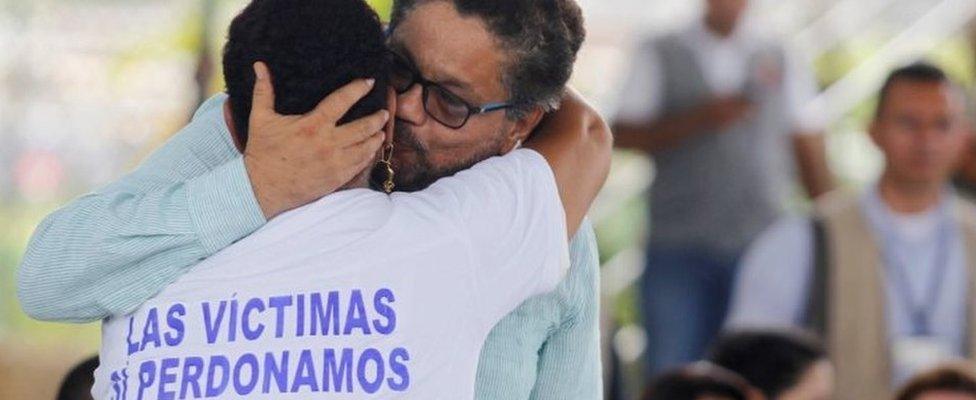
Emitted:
pixel 440 104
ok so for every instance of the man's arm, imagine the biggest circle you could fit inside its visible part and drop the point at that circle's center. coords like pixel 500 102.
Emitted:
pixel 577 144
pixel 809 149
pixel 669 131
pixel 107 252
pixel 569 361
pixel 811 158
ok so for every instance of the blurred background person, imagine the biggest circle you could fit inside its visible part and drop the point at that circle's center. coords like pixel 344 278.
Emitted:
pixel 950 382
pixel 77 385
pixel 719 109
pixel 701 381
pixel 783 364
pixel 886 275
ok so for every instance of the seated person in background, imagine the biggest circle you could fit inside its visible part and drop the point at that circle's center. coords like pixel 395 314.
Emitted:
pixel 885 276
pixel 784 365
pixel 362 294
pixel 701 381
pixel 949 382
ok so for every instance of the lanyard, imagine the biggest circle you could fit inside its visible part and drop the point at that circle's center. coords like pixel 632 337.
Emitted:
pixel 920 312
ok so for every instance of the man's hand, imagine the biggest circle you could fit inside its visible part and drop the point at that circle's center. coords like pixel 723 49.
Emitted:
pixel 723 112
pixel 295 160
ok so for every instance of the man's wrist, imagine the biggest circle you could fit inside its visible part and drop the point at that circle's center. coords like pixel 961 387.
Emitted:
pixel 222 206
pixel 268 198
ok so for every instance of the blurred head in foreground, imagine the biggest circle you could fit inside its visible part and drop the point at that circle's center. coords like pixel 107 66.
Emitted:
pixel 77 384
pixel 784 365
pixel 950 382
pixel 701 381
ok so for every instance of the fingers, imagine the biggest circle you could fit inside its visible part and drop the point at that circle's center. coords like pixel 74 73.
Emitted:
pixel 339 102
pixel 364 151
pixel 361 129
pixel 263 97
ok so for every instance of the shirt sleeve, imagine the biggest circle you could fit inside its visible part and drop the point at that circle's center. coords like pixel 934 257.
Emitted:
pixel 641 96
pixel 569 361
pixel 509 211
pixel 773 283
pixel 801 91
pixel 109 251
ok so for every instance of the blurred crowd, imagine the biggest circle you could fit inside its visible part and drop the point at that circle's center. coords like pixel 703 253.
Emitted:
pixel 883 275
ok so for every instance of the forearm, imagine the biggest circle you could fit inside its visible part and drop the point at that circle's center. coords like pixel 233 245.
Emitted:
pixel 107 253
pixel 811 158
pixel 578 145
pixel 660 135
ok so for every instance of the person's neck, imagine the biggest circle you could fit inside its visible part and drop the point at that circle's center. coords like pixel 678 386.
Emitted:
pixel 909 197
pixel 717 28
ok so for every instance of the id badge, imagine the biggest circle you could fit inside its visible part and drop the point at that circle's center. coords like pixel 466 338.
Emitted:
pixel 917 353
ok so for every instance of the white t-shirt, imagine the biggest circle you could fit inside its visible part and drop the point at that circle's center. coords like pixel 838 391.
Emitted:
pixel 357 296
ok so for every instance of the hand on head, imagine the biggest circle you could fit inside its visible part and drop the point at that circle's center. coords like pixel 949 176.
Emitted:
pixel 293 160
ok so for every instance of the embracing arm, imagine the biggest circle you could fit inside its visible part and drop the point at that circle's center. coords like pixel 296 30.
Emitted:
pixel 107 252
pixel 577 144
pixel 569 361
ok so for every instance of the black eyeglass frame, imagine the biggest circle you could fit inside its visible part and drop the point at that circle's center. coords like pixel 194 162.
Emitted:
pixel 417 79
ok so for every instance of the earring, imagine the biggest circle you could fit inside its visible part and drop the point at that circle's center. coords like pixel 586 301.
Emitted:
pixel 387 161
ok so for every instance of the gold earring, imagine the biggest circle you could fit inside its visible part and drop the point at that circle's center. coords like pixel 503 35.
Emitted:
pixel 387 161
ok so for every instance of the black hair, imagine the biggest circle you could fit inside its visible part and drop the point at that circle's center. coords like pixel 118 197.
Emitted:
pixel 918 72
pixel 947 378
pixel 542 37
pixel 772 361
pixel 696 380
pixel 312 48
pixel 77 384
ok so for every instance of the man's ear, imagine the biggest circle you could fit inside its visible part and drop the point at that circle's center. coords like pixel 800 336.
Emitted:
pixel 874 131
pixel 523 128
pixel 391 107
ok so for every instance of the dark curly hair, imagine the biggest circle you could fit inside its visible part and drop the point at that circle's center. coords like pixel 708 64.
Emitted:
pixel 312 48
pixel 541 36
pixel 771 360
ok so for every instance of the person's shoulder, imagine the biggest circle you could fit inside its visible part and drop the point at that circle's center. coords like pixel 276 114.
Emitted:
pixel 211 107
pixel 837 201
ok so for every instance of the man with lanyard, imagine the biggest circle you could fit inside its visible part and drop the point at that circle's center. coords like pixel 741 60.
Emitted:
pixel 723 113
pixel 110 251
pixel 886 276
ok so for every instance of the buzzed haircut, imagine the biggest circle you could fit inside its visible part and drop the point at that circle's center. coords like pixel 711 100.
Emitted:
pixel 922 72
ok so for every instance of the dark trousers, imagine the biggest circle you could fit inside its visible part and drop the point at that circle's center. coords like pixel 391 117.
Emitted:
pixel 684 300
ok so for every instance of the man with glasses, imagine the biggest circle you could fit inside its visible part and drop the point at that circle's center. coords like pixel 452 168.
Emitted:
pixel 486 73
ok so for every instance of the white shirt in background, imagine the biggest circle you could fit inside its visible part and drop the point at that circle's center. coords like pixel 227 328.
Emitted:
pixel 773 286
pixel 724 61
pixel 357 296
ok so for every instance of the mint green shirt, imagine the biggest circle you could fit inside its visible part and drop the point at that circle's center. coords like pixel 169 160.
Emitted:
pixel 108 252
